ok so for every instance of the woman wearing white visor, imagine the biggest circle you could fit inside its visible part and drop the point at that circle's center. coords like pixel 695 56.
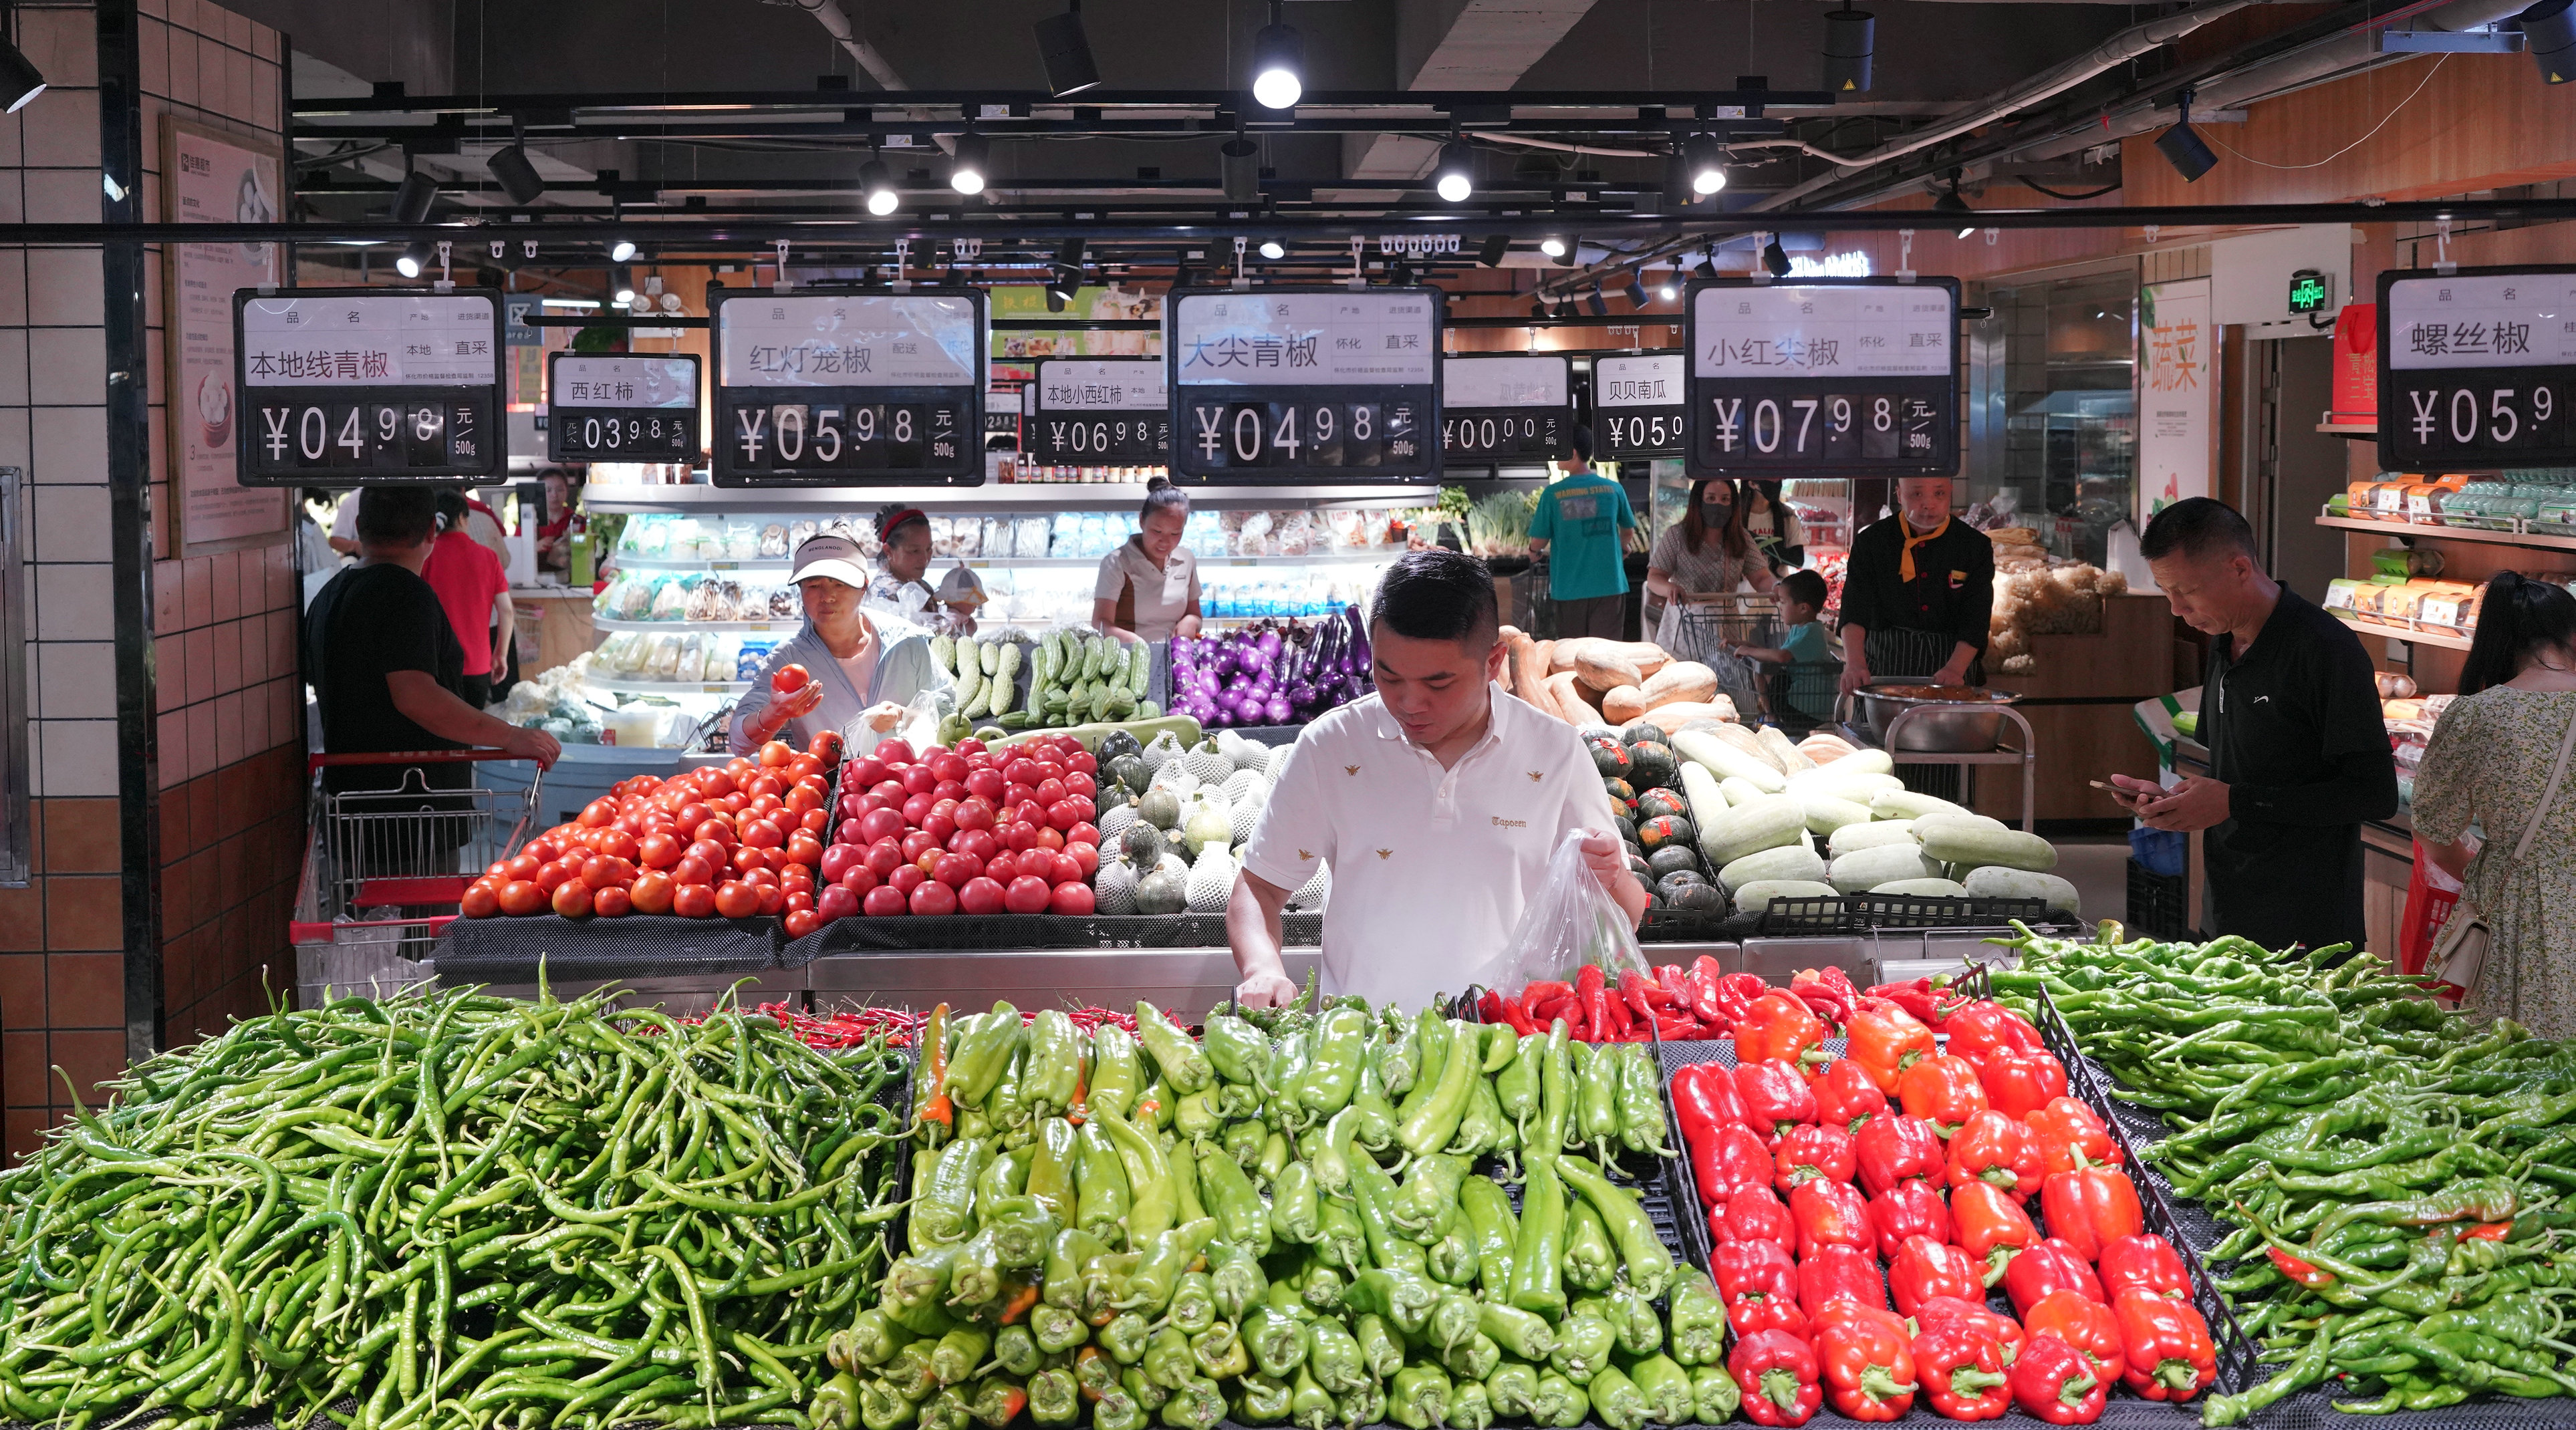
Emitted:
pixel 865 666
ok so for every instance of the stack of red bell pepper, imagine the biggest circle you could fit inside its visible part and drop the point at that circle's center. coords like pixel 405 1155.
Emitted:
pixel 1815 1171
pixel 1677 1004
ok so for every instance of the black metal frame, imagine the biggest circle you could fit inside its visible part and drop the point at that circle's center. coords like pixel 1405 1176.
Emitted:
pixel 687 452
pixel 245 436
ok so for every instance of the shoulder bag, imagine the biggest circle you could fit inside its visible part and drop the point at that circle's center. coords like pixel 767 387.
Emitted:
pixel 2459 956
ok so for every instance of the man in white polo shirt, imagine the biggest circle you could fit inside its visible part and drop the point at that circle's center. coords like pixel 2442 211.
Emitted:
pixel 1438 802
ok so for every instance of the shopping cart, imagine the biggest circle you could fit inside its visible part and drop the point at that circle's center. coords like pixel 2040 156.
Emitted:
pixel 1790 691
pixel 1702 629
pixel 384 870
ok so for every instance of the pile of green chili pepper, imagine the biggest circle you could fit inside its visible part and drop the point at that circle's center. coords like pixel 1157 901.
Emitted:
pixel 453 1211
pixel 2395 1172
pixel 1304 1221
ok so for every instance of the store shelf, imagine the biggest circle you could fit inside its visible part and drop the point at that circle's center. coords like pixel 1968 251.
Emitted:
pixel 685 563
pixel 2373 629
pixel 999 497
pixel 2532 539
pixel 2349 429
pixel 668 687
pixel 782 628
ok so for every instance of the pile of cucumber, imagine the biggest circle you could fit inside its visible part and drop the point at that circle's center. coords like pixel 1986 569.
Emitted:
pixel 1075 678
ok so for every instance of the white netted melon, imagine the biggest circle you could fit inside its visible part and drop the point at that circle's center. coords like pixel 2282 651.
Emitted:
pixel 1278 760
pixel 1310 897
pixel 1113 889
pixel 1211 881
pixel 1177 778
pixel 1161 750
pixel 1114 819
pixel 1247 816
pixel 1242 784
pixel 1207 762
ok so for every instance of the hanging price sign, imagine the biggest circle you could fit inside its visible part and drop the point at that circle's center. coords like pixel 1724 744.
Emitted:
pixel 621 407
pixel 1638 403
pixel 840 389
pixel 2477 369
pixel 1296 384
pixel 1825 377
pixel 1091 413
pixel 344 388
pixel 1496 409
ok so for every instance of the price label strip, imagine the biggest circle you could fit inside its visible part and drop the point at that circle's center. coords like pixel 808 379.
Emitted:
pixel 1098 413
pixel 1497 409
pixel 1299 384
pixel 1827 377
pixel 843 389
pixel 344 388
pixel 1638 402
pixel 2477 369
pixel 622 407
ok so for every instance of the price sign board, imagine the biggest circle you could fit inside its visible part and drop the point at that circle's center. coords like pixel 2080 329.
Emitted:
pixel 2477 369
pixel 843 389
pixel 1095 413
pixel 1829 377
pixel 1495 409
pixel 1296 384
pixel 345 387
pixel 621 407
pixel 1638 402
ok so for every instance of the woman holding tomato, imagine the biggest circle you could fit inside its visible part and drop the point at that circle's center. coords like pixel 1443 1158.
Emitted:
pixel 847 666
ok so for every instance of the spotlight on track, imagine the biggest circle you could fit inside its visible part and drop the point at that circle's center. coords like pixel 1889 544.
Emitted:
pixel 1273 249
pixel 2548 31
pixel 412 200
pixel 2189 154
pixel 20 82
pixel 1850 37
pixel 1065 51
pixel 1455 179
pixel 1708 263
pixel 1064 276
pixel 414 259
pixel 620 249
pixel 1670 288
pixel 1493 250
pixel 1636 289
pixel 1555 248
pixel 1278 64
pixel 1538 307
pixel 1775 259
pixel 1706 160
pixel 1598 302
pixel 878 186
pixel 966 166
pixel 1952 203
pixel 518 177
pixel 621 287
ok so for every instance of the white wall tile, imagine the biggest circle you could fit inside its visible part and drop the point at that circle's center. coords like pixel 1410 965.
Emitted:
pixel 71 525
pixel 15 448
pixel 13 370
pixel 74 603
pixel 65 287
pixel 63 44
pixel 78 759
pixel 62 129
pixel 154 40
pixel 70 443
pixel 64 196
pixel 75 680
pixel 183 64
pixel 69 365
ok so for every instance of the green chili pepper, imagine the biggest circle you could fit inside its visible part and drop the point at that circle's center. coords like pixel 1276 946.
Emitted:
pixel 1335 1357
pixel 1373 1194
pixel 1383 1354
pixel 1095 1371
pixel 1154 1106
pixel 1237 1050
pixel 1617 1400
pixel 1100 1179
pixel 1670 1399
pixel 1365 1405
pixel 1195 1405
pixel 1333 1158
pixel 984 1055
pixel 1117 1075
pixel 1117 1410
pixel 1377 1114
pixel 1274 1160
pixel 1148 1393
pixel 1556 1122
pixel 1511 1388
pixel 1321 1290
pixel 1591 1263
pixel 1008 1106
pixel 1559 1403
pixel 1697 1318
pixel 1230 1198
pixel 1278 1341
pixel 1236 1279
pixel 1332 1073
pixel 1197 1115
pixel 1159 1272
pixel 1243 1141
pixel 1057 1329
pixel 1128 1337
pixel 1184 1065
pixel 1597 1078
pixel 1154 1203
pixel 1054 1068
pixel 1639 1326
pixel 1715 1396
pixel 975 1278
pixel 1419 1397
pixel 1015 1347
pixel 1516 1087
pixel 921 1279
pixel 1429 1126
pixel 873 1338
pixel 1538 1257
pixel 1066 1254
pixel 882 1407
pixel 1452 1259
pixel 959 1352
pixel 1398 1060
pixel 946 1409
pixel 1583 1345
pixel 1426 1205
pixel 1341 1238
pixel 1310 1406
pixel 1472 1359
pixel 944 1212
pixel 1642 1125
pixel 836 1404
pixel 1494 1231
pixel 1403 1298
pixel 1021 1231
pixel 1220 1353
pixel 1649 1264
pixel 1289 1052
pixel 1481 1129
pixel 1167 1358
pixel 1296 1211
pixel 1056 1153
pixel 1193 1305
pixel 1261 1400
pixel 1522 1333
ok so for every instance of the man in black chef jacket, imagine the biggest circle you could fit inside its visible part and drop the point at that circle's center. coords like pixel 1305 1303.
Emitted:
pixel 1917 593
pixel 2290 713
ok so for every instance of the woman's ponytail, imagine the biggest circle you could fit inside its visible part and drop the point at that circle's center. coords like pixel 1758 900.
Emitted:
pixel 2519 620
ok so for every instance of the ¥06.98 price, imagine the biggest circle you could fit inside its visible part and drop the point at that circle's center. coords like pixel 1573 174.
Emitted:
pixel 1303 434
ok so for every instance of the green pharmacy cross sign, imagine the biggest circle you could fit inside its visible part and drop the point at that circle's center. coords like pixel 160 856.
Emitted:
pixel 2309 292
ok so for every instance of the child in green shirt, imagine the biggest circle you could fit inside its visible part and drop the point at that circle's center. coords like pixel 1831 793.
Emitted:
pixel 1807 642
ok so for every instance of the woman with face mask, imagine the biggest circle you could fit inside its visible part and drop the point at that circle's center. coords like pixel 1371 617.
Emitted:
pixel 1706 553
pixel 1149 587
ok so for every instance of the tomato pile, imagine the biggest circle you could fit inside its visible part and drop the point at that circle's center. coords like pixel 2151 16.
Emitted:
pixel 966 830
pixel 736 840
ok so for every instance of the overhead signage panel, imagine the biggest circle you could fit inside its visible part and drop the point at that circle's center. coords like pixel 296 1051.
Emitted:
pixel 621 407
pixel 1506 408
pixel 1823 377
pixel 1300 384
pixel 1099 413
pixel 842 388
pixel 2477 369
pixel 1639 404
pixel 341 388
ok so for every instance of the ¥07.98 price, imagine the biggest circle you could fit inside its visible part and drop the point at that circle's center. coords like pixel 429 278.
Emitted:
pixel 1832 427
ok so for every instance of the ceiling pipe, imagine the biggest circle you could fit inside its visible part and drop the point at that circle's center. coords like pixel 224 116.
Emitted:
pixel 837 20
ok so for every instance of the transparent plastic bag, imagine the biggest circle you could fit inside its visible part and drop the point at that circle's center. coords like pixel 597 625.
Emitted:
pixel 1569 922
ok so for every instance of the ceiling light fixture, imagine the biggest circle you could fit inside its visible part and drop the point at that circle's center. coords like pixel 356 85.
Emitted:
pixel 1708 263
pixel 1064 276
pixel 1636 289
pixel 518 177
pixel 878 186
pixel 414 260
pixel 1552 246
pixel 413 199
pixel 966 166
pixel 1706 159
pixel 2189 154
pixel 2548 31
pixel 1538 306
pixel 1670 288
pixel 1066 52
pixel 1565 309
pixel 1775 259
pixel 1850 37
pixel 1598 302
pixel 1455 179
pixel 20 82
pixel 1273 249
pixel 1494 249
pixel 620 249
pixel 621 283
pixel 1953 203
pixel 1242 161
pixel 1278 64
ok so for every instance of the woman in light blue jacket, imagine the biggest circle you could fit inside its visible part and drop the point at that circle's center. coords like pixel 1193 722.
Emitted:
pixel 866 665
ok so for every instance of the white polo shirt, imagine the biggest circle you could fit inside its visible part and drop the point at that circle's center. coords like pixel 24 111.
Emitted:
pixel 1430 866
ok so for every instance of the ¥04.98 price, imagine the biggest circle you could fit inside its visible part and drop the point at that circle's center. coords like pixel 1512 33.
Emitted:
pixel 407 435
pixel 1285 435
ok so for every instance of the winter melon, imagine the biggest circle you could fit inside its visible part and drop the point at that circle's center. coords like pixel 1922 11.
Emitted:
pixel 1957 841
pixel 1853 837
pixel 1923 888
pixel 1994 881
pixel 1868 868
pixel 1764 822
pixel 1906 804
pixel 1753 898
pixel 1727 761
pixel 1788 861
pixel 1825 814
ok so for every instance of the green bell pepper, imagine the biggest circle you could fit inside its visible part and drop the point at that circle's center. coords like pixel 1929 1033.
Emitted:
pixel 1184 1065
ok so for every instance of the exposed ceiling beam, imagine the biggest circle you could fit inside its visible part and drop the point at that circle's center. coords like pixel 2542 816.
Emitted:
pixel 1480 44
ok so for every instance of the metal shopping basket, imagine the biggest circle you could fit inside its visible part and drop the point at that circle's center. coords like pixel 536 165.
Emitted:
pixel 384 870
pixel 1702 629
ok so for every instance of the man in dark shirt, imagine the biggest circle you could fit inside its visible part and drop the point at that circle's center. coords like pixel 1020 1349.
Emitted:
pixel 1917 592
pixel 2290 713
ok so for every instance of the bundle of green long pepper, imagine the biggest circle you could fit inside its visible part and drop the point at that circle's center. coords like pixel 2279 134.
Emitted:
pixel 2401 1167
pixel 457 1211
pixel 1280 1223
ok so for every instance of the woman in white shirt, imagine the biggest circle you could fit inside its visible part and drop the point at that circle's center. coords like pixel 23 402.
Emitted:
pixel 1149 587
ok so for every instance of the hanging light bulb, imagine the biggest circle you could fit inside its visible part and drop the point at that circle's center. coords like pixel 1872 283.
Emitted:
pixel 1278 64
pixel 966 166
pixel 1706 160
pixel 878 185
pixel 1455 178
pixel 414 259
pixel 1273 249
pixel 620 249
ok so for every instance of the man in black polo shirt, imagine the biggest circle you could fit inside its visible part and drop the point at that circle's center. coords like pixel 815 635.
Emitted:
pixel 2290 713
pixel 1917 593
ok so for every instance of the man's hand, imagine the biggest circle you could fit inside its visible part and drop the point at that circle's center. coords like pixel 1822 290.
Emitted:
pixel 2196 803
pixel 1605 857
pixel 1855 671
pixel 880 717
pixel 1266 990
pixel 534 745
pixel 1955 673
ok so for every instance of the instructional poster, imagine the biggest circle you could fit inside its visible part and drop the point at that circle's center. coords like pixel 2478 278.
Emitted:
pixel 213 177
pixel 2177 394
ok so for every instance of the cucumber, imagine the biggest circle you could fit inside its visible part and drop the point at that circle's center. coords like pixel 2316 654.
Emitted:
pixel 1094 651
pixel 1727 762
pixel 1737 791
pixel 1864 869
pixel 1753 898
pixel 1825 813
pixel 943 651
pixel 1763 822
pixel 1906 804
pixel 1955 840
pixel 1930 888
pixel 1871 762
pixel 1997 882
pixel 1140 672
pixel 1789 861
pixel 1852 838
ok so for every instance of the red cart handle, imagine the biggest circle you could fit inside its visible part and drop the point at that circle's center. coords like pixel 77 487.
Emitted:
pixel 409 757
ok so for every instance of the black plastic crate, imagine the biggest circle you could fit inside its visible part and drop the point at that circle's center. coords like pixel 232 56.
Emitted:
pixel 2159 904
pixel 1860 913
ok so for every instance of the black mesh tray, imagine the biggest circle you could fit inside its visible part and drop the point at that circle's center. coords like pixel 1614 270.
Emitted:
pixel 1860 913
pixel 509 950
pixel 970 933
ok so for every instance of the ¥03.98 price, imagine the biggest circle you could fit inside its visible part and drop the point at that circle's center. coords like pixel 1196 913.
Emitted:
pixel 641 434
pixel 1302 434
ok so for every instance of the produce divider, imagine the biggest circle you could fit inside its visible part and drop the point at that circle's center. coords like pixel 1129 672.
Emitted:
pixel 511 950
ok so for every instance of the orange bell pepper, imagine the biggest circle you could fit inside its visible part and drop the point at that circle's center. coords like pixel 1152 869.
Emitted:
pixel 1943 1091
pixel 1885 1041
pixel 1780 1027
pixel 1991 1226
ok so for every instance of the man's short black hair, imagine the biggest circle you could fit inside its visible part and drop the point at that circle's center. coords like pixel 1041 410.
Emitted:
pixel 1580 439
pixel 1807 588
pixel 2198 527
pixel 1438 595
pixel 397 516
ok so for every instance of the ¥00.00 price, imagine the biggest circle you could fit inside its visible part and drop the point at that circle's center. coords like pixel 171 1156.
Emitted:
pixel 1480 435
pixel 1302 434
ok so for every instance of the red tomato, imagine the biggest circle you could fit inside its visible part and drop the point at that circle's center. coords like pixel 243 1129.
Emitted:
pixel 692 814
pixel 604 871
pixel 1076 782
pixel 1084 833
pixel 737 900
pixel 1022 771
pixel 859 880
pixel 1002 868
pixel 1080 762
pixel 891 751
pixel 1073 897
pixel 934 899
pixel 653 892
pixel 801 922
pixel 761 834
pixel 879 824
pixel 551 877
pixel 917 779
pixel 970 747
pixel 955 869
pixel 987 783
pixel 1016 793
pixel 800 799
pixel 716 782
pixel 863 773
pixel 545 849
pixel 714 829
pixel 978 842
pixel 916 808
pixel 521 897
pixel 764 790
pixel 612 903
pixel 916 843
pixel 776 753
pixel 761 879
pixel 772 900
pixel 1050 769
pixel 572 899
pixel 948 791
pixel 1050 790
pixel 814 822
pixel 745 860
pixel 905 879
pixel 618 844
pixel 928 863
pixel 1048 838
pixel 826 746
pixel 788 679
pixel 1064 869
pixel 1027 894
pixel 804 849
pixel 481 901
pixel 839 860
pixel 597 813
pixel 693 870
pixel 1086 857
pixel 974 814
pixel 659 851
pixel 884 857
pixel 796 901
pixel 1062 815
pixel 939 825
pixel 883 902
pixel 525 866
pixel 980 895
pixel 951 766
pixel 836 902
pixel 890 790
pixel 1018 836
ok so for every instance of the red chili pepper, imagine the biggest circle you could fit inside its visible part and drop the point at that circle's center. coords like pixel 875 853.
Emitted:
pixel 1885 1041
pixel 1489 1008
pixel 1868 1364
pixel 2299 1271
pixel 2091 1207
pixel 1756 1214
pixel 1704 1102
pixel 1775 1097
pixel 1839 1273
pixel 1943 1091
pixel 1778 1026
pixel 1942 1310
pixel 1675 1029
pixel 1993 1148
pixel 1923 1268
pixel 1830 1214
pixel 1963 1371
pixel 2052 1381
pixel 1632 992
pixel 2046 1269
pixel 937 1107
pixel 2489 1231
pixel 2167 1345
pixel 2146 1262
pixel 1518 1016
pixel 1776 1372
pixel 1905 1210
pixel 2071 1135
pixel 2019 1084
pixel 1675 985
pixel 1759 1284
pixel 1914 995
pixel 1991 1226
pixel 1600 1012
pixel 1735 995
pixel 1845 1097
pixel 1702 981
pixel 1898 1148
pixel 1541 990
pixel 1981 1027
pixel 2083 1323
pixel 1810 1151
pixel 1547 1010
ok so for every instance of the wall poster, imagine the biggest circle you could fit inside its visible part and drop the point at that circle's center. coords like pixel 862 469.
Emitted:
pixel 2177 394
pixel 210 176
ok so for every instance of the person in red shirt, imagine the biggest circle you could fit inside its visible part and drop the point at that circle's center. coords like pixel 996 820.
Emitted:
pixel 474 593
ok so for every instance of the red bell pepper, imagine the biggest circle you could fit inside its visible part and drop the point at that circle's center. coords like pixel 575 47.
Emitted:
pixel 2085 1324
pixel 2167 1344
pixel 1923 1268
pixel 1704 1100
pixel 1995 1149
pixel 2299 1271
pixel 2051 1381
pixel 1778 1026
pixel 1941 1310
pixel 1982 1027
pixel 2048 1268
pixel 1839 1273
pixel 1885 1041
pixel 1830 1214
pixel 1810 1151
pixel 1755 1214
pixel 2020 1083
pixel 2148 1263
pixel 2071 1135
pixel 1776 1097
pixel 1776 1372
pixel 1963 1371
pixel 2090 1208
pixel 1737 1163
pixel 1868 1365
pixel 1759 1284
pixel 1908 1209
pixel 1735 995
pixel 1897 1148
pixel 1991 1226
pixel 1943 1091
pixel 1845 1097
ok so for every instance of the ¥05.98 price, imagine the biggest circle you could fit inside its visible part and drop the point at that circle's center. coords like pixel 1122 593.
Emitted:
pixel 1303 434
pixel 1641 432
pixel 860 437
pixel 2494 412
